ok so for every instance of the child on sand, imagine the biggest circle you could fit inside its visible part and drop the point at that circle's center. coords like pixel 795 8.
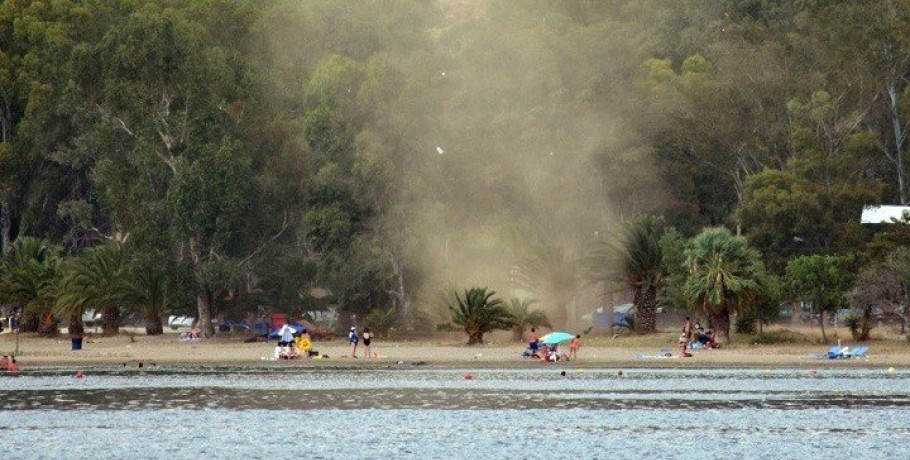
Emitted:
pixel 573 346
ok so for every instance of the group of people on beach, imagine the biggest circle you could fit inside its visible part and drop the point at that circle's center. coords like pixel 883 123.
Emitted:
pixel 292 344
pixel 194 335
pixel 703 338
pixel 355 341
pixel 550 352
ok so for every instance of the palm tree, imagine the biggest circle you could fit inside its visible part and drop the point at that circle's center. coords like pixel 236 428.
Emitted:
pixel 477 313
pixel 643 268
pixel 28 280
pixel 97 279
pixel 523 317
pixel 153 287
pixel 638 262
pixel 724 275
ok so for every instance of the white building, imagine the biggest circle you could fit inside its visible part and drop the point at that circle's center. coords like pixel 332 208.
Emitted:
pixel 883 214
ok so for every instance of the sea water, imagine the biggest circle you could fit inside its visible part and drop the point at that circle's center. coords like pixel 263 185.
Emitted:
pixel 282 412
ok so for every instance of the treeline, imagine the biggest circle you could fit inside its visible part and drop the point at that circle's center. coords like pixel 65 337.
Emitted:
pixel 227 154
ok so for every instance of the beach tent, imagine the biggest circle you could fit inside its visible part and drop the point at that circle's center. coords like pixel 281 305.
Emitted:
pixel 620 313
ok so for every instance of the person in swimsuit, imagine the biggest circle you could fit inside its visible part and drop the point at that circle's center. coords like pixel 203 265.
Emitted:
pixel 573 346
pixel 367 338
pixel 687 329
pixel 683 343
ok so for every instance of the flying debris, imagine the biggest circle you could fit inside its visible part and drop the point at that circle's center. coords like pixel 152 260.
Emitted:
pixel 439 150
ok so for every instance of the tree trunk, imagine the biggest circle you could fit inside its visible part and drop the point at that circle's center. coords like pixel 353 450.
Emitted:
pixel 821 322
pixel 475 338
pixel 50 326
pixel 204 308
pixel 866 326
pixel 110 321
pixel 646 313
pixel 6 226
pixel 896 125
pixel 721 321
pixel 76 327
pixel 400 294
pixel 518 333
pixel 30 321
pixel 153 324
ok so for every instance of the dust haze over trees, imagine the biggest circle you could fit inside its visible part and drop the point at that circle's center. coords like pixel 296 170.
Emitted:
pixel 368 155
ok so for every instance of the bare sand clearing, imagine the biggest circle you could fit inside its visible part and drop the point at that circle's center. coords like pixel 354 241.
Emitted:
pixel 446 351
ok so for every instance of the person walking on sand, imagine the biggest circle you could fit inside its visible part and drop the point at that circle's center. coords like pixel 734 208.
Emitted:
pixel 573 346
pixel 367 338
pixel 352 336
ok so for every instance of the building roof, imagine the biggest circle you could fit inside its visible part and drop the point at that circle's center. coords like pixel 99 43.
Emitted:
pixel 883 214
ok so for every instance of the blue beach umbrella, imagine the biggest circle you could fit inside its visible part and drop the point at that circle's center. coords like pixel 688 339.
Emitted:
pixel 556 337
pixel 295 329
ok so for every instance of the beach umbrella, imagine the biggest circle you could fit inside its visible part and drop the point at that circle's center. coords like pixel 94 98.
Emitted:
pixel 291 328
pixel 556 337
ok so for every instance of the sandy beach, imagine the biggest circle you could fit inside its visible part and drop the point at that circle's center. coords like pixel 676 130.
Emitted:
pixel 448 351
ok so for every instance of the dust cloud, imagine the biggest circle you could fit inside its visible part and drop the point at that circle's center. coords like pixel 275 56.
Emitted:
pixel 512 128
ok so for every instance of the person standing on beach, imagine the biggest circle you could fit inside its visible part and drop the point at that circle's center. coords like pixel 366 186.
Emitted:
pixel 352 336
pixel 683 344
pixel 367 338
pixel 533 342
pixel 687 329
pixel 573 346
pixel 12 366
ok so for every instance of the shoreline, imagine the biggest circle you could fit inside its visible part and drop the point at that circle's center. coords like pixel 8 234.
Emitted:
pixel 596 353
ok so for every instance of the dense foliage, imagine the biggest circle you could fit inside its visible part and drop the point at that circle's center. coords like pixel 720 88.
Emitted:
pixel 286 155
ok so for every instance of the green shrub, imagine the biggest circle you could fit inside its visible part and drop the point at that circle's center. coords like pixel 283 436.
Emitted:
pixel 782 336
pixel 745 324
pixel 852 323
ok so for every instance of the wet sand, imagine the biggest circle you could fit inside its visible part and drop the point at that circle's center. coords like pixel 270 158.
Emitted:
pixel 448 351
